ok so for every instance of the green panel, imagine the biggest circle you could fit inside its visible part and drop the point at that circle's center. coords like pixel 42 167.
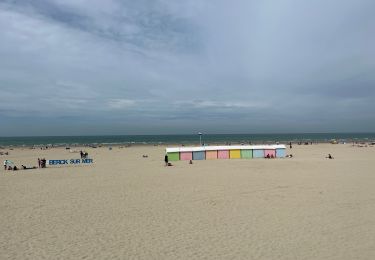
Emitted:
pixel 246 154
pixel 174 156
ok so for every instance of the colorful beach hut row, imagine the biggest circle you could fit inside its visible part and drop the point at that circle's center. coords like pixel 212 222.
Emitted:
pixel 225 152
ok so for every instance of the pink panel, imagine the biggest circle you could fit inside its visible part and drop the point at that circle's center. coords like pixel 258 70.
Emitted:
pixel 186 156
pixel 223 154
pixel 211 155
pixel 270 152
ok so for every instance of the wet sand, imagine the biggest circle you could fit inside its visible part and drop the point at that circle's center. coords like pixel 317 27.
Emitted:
pixel 125 206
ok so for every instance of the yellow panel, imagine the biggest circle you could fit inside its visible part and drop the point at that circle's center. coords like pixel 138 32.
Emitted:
pixel 235 154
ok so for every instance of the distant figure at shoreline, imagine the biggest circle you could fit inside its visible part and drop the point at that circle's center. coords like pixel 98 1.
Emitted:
pixel 329 156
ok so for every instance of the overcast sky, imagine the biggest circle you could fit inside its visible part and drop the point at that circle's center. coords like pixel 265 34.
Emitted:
pixel 73 67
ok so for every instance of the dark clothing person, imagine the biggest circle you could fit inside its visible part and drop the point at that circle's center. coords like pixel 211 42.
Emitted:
pixel 43 163
pixel 28 168
pixel 290 145
pixel 166 160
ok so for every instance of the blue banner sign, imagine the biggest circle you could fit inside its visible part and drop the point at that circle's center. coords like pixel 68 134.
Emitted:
pixel 70 161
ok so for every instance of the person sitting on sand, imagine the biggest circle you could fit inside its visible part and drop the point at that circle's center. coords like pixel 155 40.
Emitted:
pixel 329 156
pixel 191 162
pixel 28 168
pixel 268 156
pixel 169 164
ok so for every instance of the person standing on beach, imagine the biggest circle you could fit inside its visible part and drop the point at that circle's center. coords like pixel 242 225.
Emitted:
pixel 166 160
pixel 39 162
pixel 290 145
pixel 5 164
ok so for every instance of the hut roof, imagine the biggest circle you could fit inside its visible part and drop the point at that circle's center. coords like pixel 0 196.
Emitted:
pixel 224 147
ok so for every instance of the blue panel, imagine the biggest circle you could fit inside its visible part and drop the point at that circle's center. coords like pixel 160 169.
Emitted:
pixel 280 153
pixel 258 153
pixel 199 155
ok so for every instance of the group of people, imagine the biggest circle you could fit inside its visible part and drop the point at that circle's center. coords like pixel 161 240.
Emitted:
pixel 8 166
pixel 42 163
pixel 84 155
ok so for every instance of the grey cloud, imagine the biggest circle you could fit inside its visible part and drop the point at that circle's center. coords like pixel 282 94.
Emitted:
pixel 136 23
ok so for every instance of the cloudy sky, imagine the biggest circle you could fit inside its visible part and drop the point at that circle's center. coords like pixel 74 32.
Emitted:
pixel 72 67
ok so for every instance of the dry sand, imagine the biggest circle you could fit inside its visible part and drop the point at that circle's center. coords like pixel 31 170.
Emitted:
pixel 128 207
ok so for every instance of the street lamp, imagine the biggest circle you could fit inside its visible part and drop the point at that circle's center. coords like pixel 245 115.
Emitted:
pixel 200 137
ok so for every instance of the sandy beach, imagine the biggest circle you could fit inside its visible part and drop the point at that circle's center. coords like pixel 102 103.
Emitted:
pixel 124 206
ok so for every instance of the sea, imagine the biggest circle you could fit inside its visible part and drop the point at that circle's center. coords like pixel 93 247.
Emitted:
pixel 206 139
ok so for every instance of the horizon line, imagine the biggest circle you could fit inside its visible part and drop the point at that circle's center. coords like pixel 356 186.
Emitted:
pixel 173 134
